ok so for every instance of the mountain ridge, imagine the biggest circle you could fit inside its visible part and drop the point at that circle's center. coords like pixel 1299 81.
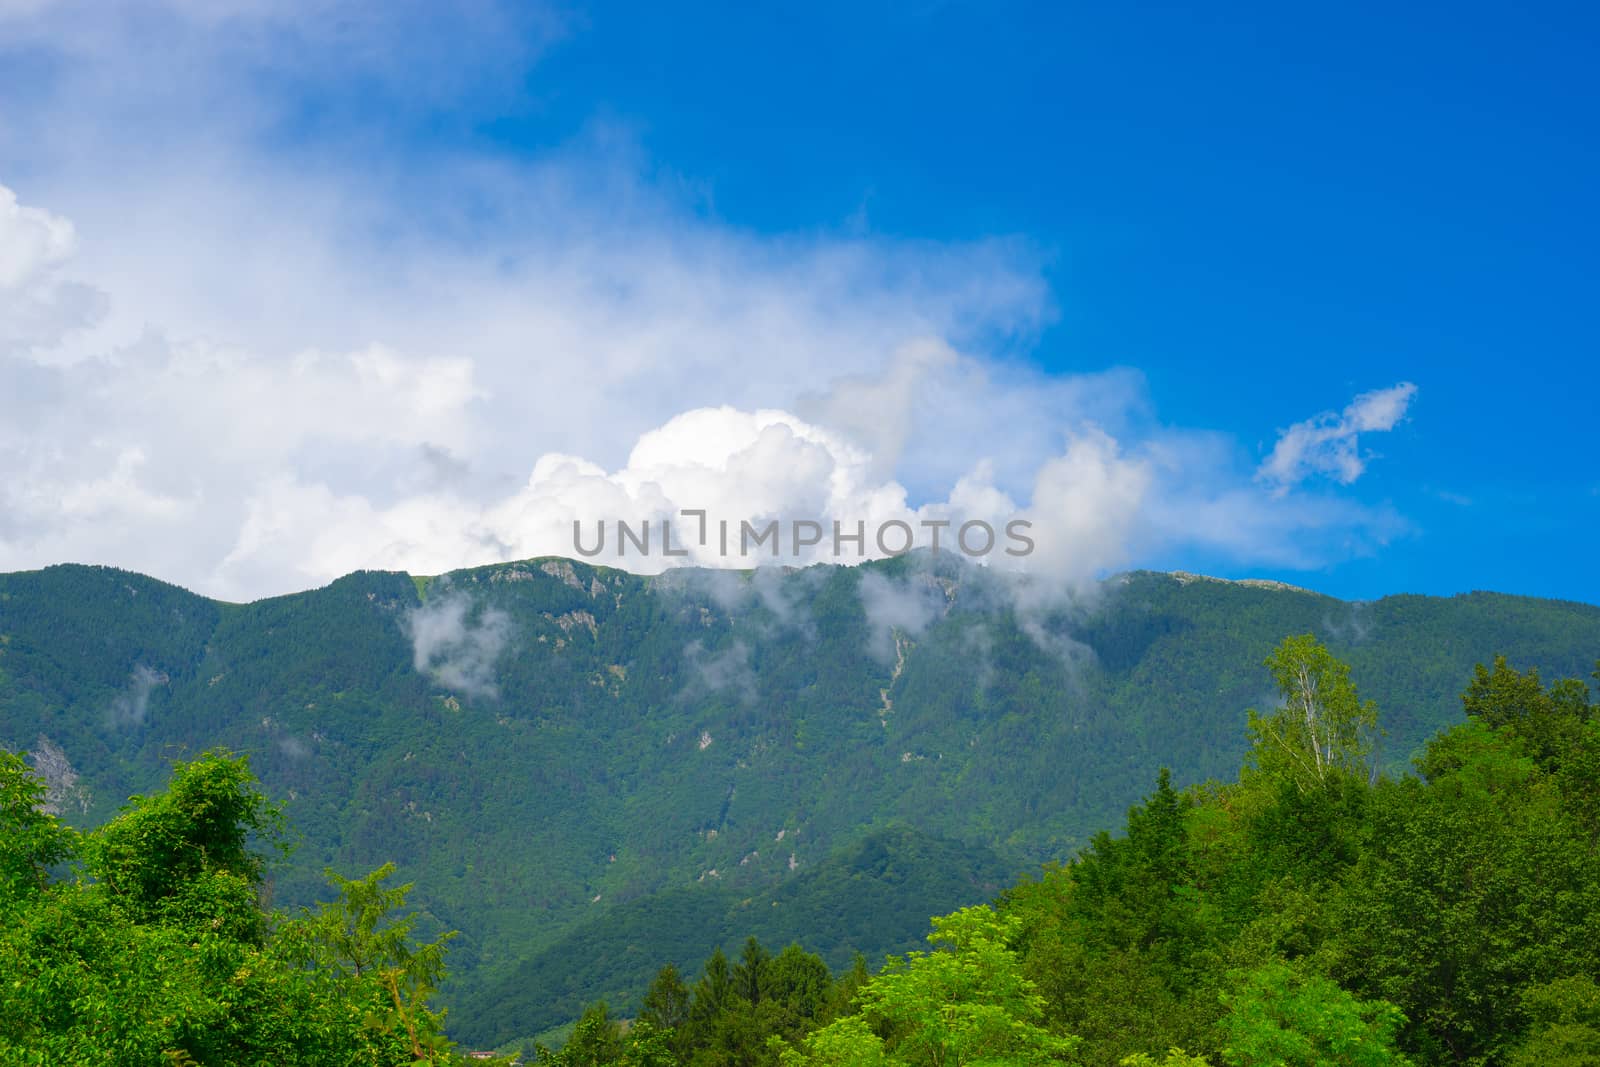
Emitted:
pixel 524 738
pixel 424 580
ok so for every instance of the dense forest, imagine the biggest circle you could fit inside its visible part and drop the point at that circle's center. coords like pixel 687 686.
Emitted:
pixel 587 772
pixel 153 946
pixel 1313 910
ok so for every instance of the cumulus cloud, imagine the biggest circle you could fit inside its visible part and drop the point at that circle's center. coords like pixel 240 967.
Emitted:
pixel 1085 507
pixel 773 489
pixel 260 369
pixel 254 469
pixel 38 305
pixel 457 645
pixel 1329 444
pixel 176 451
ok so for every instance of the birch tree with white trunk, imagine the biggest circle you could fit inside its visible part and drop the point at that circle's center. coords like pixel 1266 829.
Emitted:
pixel 1322 727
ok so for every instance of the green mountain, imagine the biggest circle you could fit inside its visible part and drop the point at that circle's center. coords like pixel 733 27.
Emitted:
pixel 860 899
pixel 559 754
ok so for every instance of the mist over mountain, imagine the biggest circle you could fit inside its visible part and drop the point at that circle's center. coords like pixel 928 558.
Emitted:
pixel 655 764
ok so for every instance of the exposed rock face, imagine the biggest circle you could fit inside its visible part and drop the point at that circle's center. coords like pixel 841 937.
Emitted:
pixel 1185 577
pixel 62 791
pixel 572 619
pixel 512 574
pixel 562 569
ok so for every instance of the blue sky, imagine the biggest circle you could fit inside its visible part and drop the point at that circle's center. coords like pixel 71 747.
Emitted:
pixel 1219 222
pixel 1260 207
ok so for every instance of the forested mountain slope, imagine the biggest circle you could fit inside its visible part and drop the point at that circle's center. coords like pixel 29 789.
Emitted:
pixel 537 744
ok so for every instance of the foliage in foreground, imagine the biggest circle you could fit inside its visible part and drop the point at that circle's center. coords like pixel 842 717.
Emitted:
pixel 506 803
pixel 154 948
pixel 1310 914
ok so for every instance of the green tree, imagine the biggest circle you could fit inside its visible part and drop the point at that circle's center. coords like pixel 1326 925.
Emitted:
pixel 646 1045
pixel 596 1041
pixel 30 839
pixel 666 1003
pixel 841 1001
pixel 713 996
pixel 847 1042
pixel 1277 1017
pixel 1564 1026
pixel 365 937
pixel 1549 719
pixel 1323 727
pixel 1174 1058
pixel 967 1003
pixel 750 974
pixel 1477 883
pixel 201 838
pixel 798 991
pixel 1136 890
pixel 1119 942
pixel 137 968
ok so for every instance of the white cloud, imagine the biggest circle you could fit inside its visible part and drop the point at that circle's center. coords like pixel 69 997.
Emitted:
pixel 38 306
pixel 1086 508
pixel 739 467
pixel 456 645
pixel 251 370
pixel 905 606
pixel 253 453
pixel 1329 444
pixel 234 461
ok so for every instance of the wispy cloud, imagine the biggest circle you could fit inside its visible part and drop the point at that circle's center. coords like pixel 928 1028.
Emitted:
pixel 130 707
pixel 457 644
pixel 727 671
pixel 1329 444
pixel 282 345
